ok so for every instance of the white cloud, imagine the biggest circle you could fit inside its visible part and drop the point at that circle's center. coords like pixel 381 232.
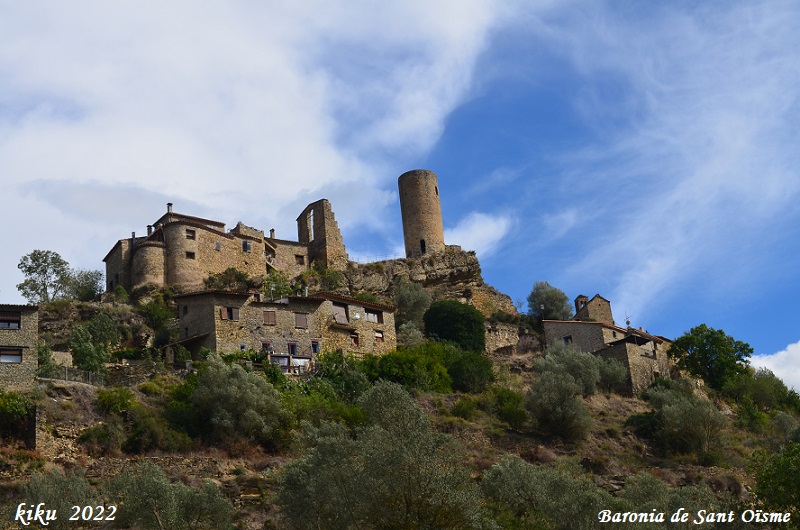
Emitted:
pixel 559 223
pixel 479 232
pixel 785 364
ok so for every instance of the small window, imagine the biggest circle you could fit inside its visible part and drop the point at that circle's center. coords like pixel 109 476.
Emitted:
pixel 354 341
pixel 299 259
pixel 10 319
pixel 190 255
pixel 247 246
pixel 191 234
pixel 375 317
pixel 10 356
pixel 269 318
pixel 242 347
pixel 379 336
pixel 422 245
pixel 292 348
pixel 266 346
pixel 185 310
pixel 614 334
pixel 314 346
pixel 301 320
pixel 567 340
pixel 229 313
pixel 217 246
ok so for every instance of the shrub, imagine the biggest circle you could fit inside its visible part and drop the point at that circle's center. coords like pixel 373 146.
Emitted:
pixel 613 374
pixel 464 408
pixel 104 439
pixel 151 432
pixel 47 368
pixel 411 368
pixel 150 501
pixel 343 374
pixel 583 367
pixel 231 403
pixel 456 322
pixel 115 400
pixel 509 406
pixel 60 492
pixel 317 401
pixel 554 402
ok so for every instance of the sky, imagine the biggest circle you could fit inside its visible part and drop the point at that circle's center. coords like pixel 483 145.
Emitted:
pixel 645 151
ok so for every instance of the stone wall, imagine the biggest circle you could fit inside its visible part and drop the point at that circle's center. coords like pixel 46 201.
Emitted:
pixel 22 375
pixel 290 257
pixel 422 213
pixel 502 338
pixel 588 336
pixel 317 227
pixel 598 309
pixel 644 363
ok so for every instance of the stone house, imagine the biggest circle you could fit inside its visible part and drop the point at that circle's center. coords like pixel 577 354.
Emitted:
pixel 183 250
pixel 593 331
pixel 289 330
pixel 19 331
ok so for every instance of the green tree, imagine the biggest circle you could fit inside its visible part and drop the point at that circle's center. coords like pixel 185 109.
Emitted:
pixel 277 285
pixel 150 501
pixel 456 322
pixel 583 367
pixel 234 404
pixel 411 300
pixel 548 303
pixel 84 285
pixel 46 276
pixel 396 473
pixel 86 353
pixel 778 481
pixel 711 354
pixel 554 402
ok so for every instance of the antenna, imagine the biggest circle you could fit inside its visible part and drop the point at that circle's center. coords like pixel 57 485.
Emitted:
pixel 627 319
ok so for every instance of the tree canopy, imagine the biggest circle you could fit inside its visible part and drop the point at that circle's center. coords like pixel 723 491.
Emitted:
pixel 49 277
pixel 711 354
pixel 456 322
pixel 548 303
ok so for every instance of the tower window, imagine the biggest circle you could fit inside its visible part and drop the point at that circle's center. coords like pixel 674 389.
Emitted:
pixel 190 255
pixel 422 245
pixel 436 189
pixel 247 246
pixel 191 234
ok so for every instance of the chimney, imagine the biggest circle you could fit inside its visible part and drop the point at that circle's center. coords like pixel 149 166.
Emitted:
pixel 149 230
pixel 169 207
pixel 133 239
pixel 272 233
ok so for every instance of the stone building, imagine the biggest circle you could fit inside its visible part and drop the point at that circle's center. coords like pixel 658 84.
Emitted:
pixel 593 331
pixel 183 250
pixel 291 330
pixel 19 331
pixel 421 210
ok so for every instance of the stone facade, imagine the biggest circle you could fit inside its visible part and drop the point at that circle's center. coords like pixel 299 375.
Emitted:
pixel 183 250
pixel 19 335
pixel 421 209
pixel 598 309
pixel 294 326
pixel 644 355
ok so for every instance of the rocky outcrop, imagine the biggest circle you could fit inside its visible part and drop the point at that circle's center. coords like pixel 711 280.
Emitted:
pixel 450 275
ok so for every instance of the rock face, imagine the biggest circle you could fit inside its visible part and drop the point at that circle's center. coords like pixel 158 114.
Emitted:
pixel 450 275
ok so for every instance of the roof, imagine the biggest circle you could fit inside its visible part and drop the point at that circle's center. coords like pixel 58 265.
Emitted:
pixel 184 217
pixel 18 307
pixel 326 295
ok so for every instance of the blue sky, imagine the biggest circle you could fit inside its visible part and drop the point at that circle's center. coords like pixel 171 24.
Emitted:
pixel 645 151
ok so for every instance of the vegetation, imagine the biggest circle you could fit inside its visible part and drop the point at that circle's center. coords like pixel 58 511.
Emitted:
pixel 231 279
pixel 548 303
pixel 456 322
pixel 778 480
pixel 48 277
pixel 711 354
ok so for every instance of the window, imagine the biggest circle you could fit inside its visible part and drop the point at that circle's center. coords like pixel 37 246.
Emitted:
pixel 299 259
pixel 422 245
pixel 266 346
pixel 10 356
pixel 292 348
pixel 189 255
pixel 614 334
pixel 340 314
pixel 217 246
pixel 314 346
pixel 301 320
pixel 191 234
pixel 354 341
pixel 269 318
pixel 242 347
pixel 185 309
pixel 567 340
pixel 229 313
pixel 247 246
pixel 374 316
pixel 10 319
pixel 379 336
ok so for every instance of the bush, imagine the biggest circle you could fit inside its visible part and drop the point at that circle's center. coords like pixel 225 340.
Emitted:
pixel 395 473
pixel 613 374
pixel 60 492
pixel 47 368
pixel 508 406
pixel 317 401
pixel 104 439
pixel 231 404
pixel 343 374
pixel 15 412
pixel 115 400
pixel 554 402
pixel 411 300
pixel 411 368
pixel 151 432
pixel 464 408
pixel 150 501
pixel 456 322
pixel 583 367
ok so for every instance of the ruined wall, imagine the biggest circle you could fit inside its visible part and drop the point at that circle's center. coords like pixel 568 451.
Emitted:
pixel 19 376
pixel 317 227
pixel 502 338
pixel 290 257
pixel 421 210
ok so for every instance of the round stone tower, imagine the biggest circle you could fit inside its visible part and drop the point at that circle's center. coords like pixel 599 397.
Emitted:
pixel 422 212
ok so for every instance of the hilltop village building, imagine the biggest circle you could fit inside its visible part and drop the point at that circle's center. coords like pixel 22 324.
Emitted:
pixel 19 331
pixel 290 331
pixel 183 250
pixel 593 330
